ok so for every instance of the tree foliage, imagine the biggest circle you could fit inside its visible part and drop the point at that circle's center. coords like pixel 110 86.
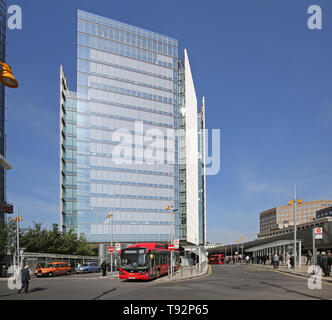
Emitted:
pixel 8 236
pixel 40 240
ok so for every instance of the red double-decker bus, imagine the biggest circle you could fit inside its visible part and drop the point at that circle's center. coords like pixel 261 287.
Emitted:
pixel 217 259
pixel 146 261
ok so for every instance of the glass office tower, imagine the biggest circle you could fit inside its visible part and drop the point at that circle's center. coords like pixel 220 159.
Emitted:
pixel 120 145
pixel 3 26
pixel 192 199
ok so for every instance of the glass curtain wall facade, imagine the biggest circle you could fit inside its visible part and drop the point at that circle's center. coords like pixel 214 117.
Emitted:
pixel 119 151
pixel 182 154
pixel 3 26
pixel 201 175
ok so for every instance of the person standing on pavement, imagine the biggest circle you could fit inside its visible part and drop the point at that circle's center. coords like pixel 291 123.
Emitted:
pixel 318 259
pixel 25 280
pixel 275 261
pixel 247 259
pixel 324 263
pixel 291 261
pixel 329 262
pixel 103 268
pixel 288 256
pixel 281 259
pixel 309 257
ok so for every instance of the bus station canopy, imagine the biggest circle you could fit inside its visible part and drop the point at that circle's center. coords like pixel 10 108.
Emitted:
pixel 275 244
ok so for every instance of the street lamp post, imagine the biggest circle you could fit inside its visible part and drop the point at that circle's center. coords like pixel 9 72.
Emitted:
pixel 172 211
pixel 242 238
pixel 17 219
pixel 110 216
pixel 295 202
pixel 238 249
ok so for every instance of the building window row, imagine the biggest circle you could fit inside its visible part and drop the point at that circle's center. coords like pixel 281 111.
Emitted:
pixel 126 27
pixel 127 38
pixel 109 61
pixel 126 51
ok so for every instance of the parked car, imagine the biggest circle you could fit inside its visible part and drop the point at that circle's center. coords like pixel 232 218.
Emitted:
pixel 54 269
pixel 88 268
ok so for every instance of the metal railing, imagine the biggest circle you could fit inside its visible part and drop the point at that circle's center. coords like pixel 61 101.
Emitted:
pixel 190 271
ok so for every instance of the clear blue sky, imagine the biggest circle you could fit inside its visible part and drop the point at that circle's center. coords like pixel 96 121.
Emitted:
pixel 266 77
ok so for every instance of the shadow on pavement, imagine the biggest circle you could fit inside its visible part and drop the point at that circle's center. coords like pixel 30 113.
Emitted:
pixel 104 293
pixel 37 290
pixel 293 291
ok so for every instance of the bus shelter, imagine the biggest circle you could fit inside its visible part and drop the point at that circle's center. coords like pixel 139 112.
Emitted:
pixel 32 259
pixel 281 247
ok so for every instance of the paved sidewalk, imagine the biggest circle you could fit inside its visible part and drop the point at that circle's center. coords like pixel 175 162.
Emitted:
pixel 300 271
pixel 186 273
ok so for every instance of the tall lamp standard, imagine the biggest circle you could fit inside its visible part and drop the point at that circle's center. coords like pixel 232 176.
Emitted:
pixel 18 219
pixel 242 238
pixel 290 203
pixel 8 80
pixel 110 218
pixel 238 249
pixel 172 211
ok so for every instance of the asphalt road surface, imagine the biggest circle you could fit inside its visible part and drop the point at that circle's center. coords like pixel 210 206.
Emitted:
pixel 226 282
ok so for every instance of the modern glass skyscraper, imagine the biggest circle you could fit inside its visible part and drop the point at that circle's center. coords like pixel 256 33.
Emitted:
pixel 3 26
pixel 119 143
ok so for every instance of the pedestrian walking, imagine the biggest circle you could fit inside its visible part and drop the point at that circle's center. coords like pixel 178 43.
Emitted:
pixel 25 278
pixel 309 257
pixel 103 268
pixel 247 259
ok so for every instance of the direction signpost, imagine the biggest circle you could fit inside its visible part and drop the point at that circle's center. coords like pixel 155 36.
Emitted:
pixel 176 243
pixel 317 233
